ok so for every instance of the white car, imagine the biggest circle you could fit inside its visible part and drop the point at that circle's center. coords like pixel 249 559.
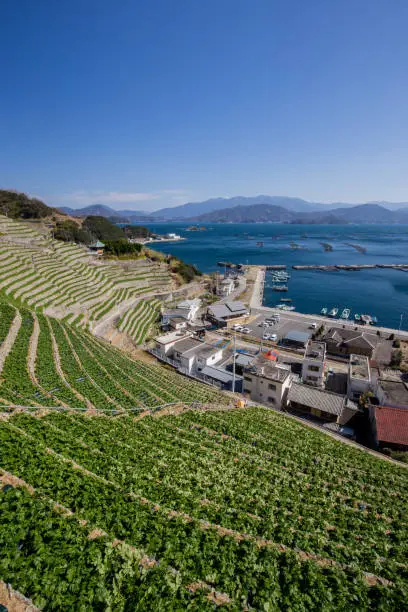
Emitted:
pixel 237 326
pixel 245 330
pixel 273 337
pixel 313 325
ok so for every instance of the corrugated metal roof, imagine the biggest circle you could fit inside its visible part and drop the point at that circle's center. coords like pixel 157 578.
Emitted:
pixel 297 336
pixel 219 374
pixel 312 397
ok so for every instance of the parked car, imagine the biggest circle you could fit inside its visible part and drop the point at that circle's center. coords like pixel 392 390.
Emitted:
pixel 237 326
pixel 273 337
pixel 245 330
pixel 313 325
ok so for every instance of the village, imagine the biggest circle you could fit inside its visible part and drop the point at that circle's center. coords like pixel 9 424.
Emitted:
pixel 341 377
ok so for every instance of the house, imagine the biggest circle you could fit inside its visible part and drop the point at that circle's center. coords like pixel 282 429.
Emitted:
pixel 221 313
pixel 166 343
pixel 313 363
pixel 225 287
pixel 390 427
pixel 348 342
pixel 194 355
pixel 190 308
pixel 359 377
pixel 392 388
pixel 296 339
pixel 325 405
pixel 222 378
pixel 266 382
pixel 97 247
pixel 177 323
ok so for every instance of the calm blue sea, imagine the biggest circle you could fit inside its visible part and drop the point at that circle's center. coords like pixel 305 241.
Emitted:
pixel 383 293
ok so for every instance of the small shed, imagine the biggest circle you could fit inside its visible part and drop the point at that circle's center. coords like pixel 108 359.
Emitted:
pixel 97 247
pixel 296 339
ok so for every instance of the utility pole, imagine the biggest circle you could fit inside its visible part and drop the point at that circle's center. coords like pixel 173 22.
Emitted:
pixel 233 365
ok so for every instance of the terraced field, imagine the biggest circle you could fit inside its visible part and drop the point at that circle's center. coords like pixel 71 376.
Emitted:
pixel 139 319
pixel 62 279
pixel 45 362
pixel 240 509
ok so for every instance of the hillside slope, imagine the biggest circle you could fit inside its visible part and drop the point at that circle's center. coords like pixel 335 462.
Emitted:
pixel 244 509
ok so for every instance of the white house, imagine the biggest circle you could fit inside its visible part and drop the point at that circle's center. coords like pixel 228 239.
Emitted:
pixel 195 355
pixel 190 307
pixel 313 363
pixel 266 382
pixel 165 343
pixel 225 287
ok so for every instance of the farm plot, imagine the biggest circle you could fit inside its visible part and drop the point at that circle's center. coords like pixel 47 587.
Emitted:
pixel 204 498
pixel 138 320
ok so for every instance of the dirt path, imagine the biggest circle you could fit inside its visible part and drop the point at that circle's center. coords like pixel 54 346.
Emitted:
pixel 15 601
pixel 7 345
pixel 32 350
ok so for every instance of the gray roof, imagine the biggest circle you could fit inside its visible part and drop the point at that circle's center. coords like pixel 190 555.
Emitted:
pixel 325 401
pixel 221 310
pixel 176 312
pixel 219 374
pixel 297 336
pixel 235 306
pixel 264 368
pixel 186 345
pixel 244 360
pixel 208 349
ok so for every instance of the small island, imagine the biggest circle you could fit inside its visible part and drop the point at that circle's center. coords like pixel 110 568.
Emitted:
pixel 196 228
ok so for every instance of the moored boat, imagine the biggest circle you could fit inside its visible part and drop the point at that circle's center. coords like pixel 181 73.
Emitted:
pixel 279 288
pixel 357 317
pixel 345 314
pixel 333 312
pixel 323 311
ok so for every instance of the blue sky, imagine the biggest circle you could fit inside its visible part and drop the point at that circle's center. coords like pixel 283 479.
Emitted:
pixel 150 103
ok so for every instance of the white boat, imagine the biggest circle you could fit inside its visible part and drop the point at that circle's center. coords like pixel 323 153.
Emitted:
pixel 323 311
pixel 333 312
pixel 345 314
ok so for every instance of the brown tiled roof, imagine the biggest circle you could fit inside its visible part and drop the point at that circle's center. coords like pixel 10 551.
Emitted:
pixel 392 424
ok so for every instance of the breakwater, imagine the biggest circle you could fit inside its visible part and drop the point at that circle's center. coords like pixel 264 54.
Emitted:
pixel 350 267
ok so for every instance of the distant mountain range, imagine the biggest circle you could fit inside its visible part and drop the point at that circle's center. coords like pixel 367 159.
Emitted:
pixel 260 208
pixel 263 213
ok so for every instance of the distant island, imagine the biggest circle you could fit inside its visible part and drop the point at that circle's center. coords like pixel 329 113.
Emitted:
pixel 196 228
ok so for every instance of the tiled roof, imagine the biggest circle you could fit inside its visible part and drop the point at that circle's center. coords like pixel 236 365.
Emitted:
pixel 315 398
pixel 392 424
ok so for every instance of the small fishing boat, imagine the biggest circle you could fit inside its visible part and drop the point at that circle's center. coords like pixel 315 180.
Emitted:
pixel 279 288
pixel 374 320
pixel 260 243
pixel 323 311
pixel 345 314
pixel 286 299
pixel 357 317
pixel 333 312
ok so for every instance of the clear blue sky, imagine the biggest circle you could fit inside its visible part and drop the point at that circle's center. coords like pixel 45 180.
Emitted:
pixel 148 103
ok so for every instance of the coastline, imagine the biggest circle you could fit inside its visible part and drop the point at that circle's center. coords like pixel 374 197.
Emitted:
pixel 256 303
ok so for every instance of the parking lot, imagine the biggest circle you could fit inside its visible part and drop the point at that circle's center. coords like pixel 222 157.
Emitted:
pixel 281 328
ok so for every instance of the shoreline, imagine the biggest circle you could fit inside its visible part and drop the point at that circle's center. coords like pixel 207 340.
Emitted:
pixel 256 303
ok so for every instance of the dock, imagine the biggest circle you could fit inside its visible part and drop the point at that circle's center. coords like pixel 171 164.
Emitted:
pixel 352 268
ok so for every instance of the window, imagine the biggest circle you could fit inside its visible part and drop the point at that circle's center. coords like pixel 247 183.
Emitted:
pixel 272 387
pixel 247 390
pixel 248 378
pixel 272 400
pixel 261 395
pixel 313 368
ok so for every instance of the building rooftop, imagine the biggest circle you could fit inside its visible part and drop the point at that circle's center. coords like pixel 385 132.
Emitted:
pixel 312 397
pixel 187 345
pixel 188 304
pixel 352 337
pixel 172 337
pixel 395 392
pixel 359 367
pixel 221 311
pixel 208 349
pixel 219 374
pixel 392 424
pixel 297 336
pixel 176 312
pixel 97 245
pixel 243 360
pixel 316 350
pixel 265 368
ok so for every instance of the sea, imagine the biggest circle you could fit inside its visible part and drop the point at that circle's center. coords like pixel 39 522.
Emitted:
pixel 382 293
